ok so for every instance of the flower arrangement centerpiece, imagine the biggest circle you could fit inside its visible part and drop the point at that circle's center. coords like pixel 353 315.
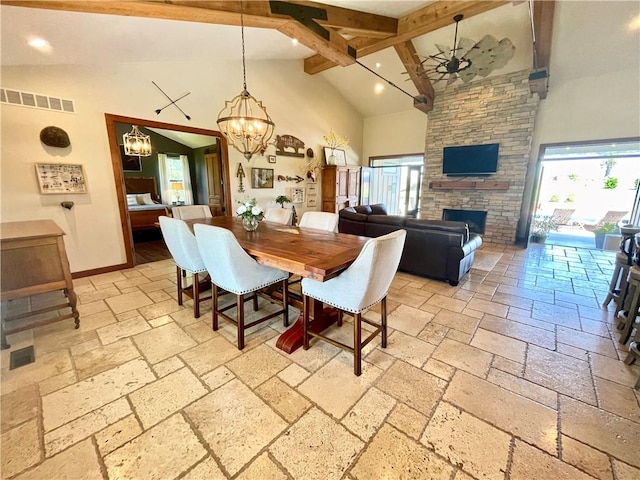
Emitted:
pixel 250 213
pixel 335 141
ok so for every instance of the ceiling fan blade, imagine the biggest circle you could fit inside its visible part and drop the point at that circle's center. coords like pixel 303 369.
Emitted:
pixel 445 51
pixel 452 79
pixel 464 46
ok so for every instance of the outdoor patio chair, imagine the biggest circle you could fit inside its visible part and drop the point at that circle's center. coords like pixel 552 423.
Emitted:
pixel 612 216
pixel 562 216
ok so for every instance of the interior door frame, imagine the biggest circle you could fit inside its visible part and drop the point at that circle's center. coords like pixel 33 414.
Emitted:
pixel 118 176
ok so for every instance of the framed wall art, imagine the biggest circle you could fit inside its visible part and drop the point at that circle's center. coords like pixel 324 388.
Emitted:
pixel 297 195
pixel 271 158
pixel 61 178
pixel 262 178
pixel 335 156
pixel 130 163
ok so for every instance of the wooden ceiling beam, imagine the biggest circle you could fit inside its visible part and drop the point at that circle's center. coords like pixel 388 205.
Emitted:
pixel 334 49
pixel 543 27
pixel 434 16
pixel 411 61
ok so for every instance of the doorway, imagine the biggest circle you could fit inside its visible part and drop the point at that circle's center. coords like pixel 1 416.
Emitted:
pixel 396 182
pixel 171 138
pixel 585 191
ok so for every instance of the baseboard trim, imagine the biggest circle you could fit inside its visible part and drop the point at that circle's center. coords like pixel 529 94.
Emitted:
pixel 98 271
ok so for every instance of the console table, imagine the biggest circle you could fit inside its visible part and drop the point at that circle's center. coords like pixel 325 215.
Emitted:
pixel 33 260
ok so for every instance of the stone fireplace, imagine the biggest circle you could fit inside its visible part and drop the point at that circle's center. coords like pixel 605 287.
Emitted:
pixel 494 110
pixel 475 219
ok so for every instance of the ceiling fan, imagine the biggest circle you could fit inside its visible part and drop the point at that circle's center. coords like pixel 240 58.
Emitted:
pixel 466 59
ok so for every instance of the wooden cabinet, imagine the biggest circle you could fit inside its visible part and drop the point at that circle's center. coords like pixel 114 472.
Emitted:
pixel 33 260
pixel 340 187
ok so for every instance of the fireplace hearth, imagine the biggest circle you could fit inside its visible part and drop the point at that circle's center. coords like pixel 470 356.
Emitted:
pixel 476 219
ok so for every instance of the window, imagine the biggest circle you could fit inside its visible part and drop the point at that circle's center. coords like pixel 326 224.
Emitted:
pixel 396 182
pixel 175 179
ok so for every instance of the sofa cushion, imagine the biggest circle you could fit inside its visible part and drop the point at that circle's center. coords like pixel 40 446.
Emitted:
pixel 378 209
pixel 364 209
pixel 441 225
pixel 351 214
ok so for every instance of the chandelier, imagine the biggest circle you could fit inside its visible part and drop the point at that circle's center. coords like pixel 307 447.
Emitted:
pixel 137 143
pixel 243 119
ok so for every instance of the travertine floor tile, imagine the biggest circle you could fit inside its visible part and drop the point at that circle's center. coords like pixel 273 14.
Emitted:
pixel 599 429
pixel 283 399
pixel 20 448
pixel 524 387
pixel 581 456
pixel 165 367
pixel 122 329
pixel 160 399
pixel 564 374
pixel 520 331
pixel 614 370
pixel 128 301
pixel 235 423
pixel 418 389
pixel 117 434
pixel 499 345
pixel 447 303
pixel 547 312
pixel 337 376
pixel 316 448
pixel 488 307
pixel 262 467
pixel 586 341
pixel 164 451
pixel 258 365
pixel 45 366
pixel 393 455
pixel 66 465
pixel 529 463
pixel 407 420
pixel 618 399
pixel 465 357
pixel 293 375
pixel 105 358
pixel 368 414
pixel 80 398
pixel 517 415
pixel 19 406
pixel 475 446
pixel 163 342
pixel 209 355
pixel 624 471
pixel 205 470
pixel 409 349
pixel 439 369
pixel 408 319
pixel 457 321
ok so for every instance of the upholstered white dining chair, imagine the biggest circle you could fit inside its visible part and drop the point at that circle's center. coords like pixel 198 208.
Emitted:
pixel 320 220
pixel 190 212
pixel 184 250
pixel 278 215
pixel 363 284
pixel 233 269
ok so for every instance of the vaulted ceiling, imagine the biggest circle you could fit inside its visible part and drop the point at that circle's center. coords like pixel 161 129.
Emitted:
pixel 387 37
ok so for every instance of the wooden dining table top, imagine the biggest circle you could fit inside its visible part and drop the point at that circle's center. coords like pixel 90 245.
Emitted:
pixel 307 252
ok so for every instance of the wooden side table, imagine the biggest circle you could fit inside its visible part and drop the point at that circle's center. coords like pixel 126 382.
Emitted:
pixel 33 260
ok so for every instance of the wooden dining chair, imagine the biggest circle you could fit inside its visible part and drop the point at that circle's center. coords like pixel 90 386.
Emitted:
pixel 365 283
pixel 184 250
pixel 326 221
pixel 190 212
pixel 234 270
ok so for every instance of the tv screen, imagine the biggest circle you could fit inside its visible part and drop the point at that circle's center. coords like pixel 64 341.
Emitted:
pixel 470 160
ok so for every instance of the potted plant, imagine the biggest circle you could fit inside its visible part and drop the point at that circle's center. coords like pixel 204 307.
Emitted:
pixel 605 229
pixel 282 199
pixel 540 228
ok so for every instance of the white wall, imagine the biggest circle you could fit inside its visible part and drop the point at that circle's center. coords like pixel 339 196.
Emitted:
pixel 301 105
pixel 394 134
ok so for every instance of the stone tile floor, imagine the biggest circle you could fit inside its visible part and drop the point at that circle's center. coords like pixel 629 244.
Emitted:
pixel 516 373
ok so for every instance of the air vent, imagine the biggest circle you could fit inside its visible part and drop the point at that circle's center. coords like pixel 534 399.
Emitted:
pixel 36 100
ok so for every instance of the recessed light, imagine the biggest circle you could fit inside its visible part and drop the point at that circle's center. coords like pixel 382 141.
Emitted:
pixel 635 23
pixel 378 65
pixel 294 41
pixel 378 88
pixel 38 43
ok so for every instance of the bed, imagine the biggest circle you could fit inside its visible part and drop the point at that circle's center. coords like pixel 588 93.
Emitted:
pixel 143 202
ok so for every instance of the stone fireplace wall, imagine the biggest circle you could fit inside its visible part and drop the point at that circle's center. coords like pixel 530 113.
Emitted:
pixel 495 110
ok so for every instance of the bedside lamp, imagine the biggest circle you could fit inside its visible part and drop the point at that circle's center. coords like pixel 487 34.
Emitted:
pixel 177 188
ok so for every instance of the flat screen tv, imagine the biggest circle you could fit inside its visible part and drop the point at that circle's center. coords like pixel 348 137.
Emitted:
pixel 470 160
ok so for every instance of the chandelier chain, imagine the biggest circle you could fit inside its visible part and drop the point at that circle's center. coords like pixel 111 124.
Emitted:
pixel 244 66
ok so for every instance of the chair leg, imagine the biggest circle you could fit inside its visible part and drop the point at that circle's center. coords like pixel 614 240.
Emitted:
pixel 357 344
pixel 383 316
pixel 285 301
pixel 196 295
pixel 240 315
pixel 214 294
pixel 305 322
pixel 255 302
pixel 179 282
pixel 339 322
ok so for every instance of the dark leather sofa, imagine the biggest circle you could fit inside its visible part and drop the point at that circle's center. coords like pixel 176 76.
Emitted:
pixel 433 248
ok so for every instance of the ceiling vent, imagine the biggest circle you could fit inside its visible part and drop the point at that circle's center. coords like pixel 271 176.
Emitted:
pixel 36 100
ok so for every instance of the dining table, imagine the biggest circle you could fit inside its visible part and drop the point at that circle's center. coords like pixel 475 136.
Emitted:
pixel 306 252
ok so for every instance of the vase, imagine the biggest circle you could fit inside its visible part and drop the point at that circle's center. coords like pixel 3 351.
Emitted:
pixel 250 224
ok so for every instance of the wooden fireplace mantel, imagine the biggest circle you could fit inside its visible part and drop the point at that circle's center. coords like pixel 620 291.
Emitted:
pixel 470 185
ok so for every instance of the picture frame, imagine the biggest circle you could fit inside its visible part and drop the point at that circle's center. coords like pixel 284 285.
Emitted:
pixel 130 163
pixel 298 194
pixel 262 178
pixel 335 156
pixel 312 201
pixel 57 178
pixel 271 158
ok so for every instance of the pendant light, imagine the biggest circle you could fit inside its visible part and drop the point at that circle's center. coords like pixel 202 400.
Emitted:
pixel 243 120
pixel 137 143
